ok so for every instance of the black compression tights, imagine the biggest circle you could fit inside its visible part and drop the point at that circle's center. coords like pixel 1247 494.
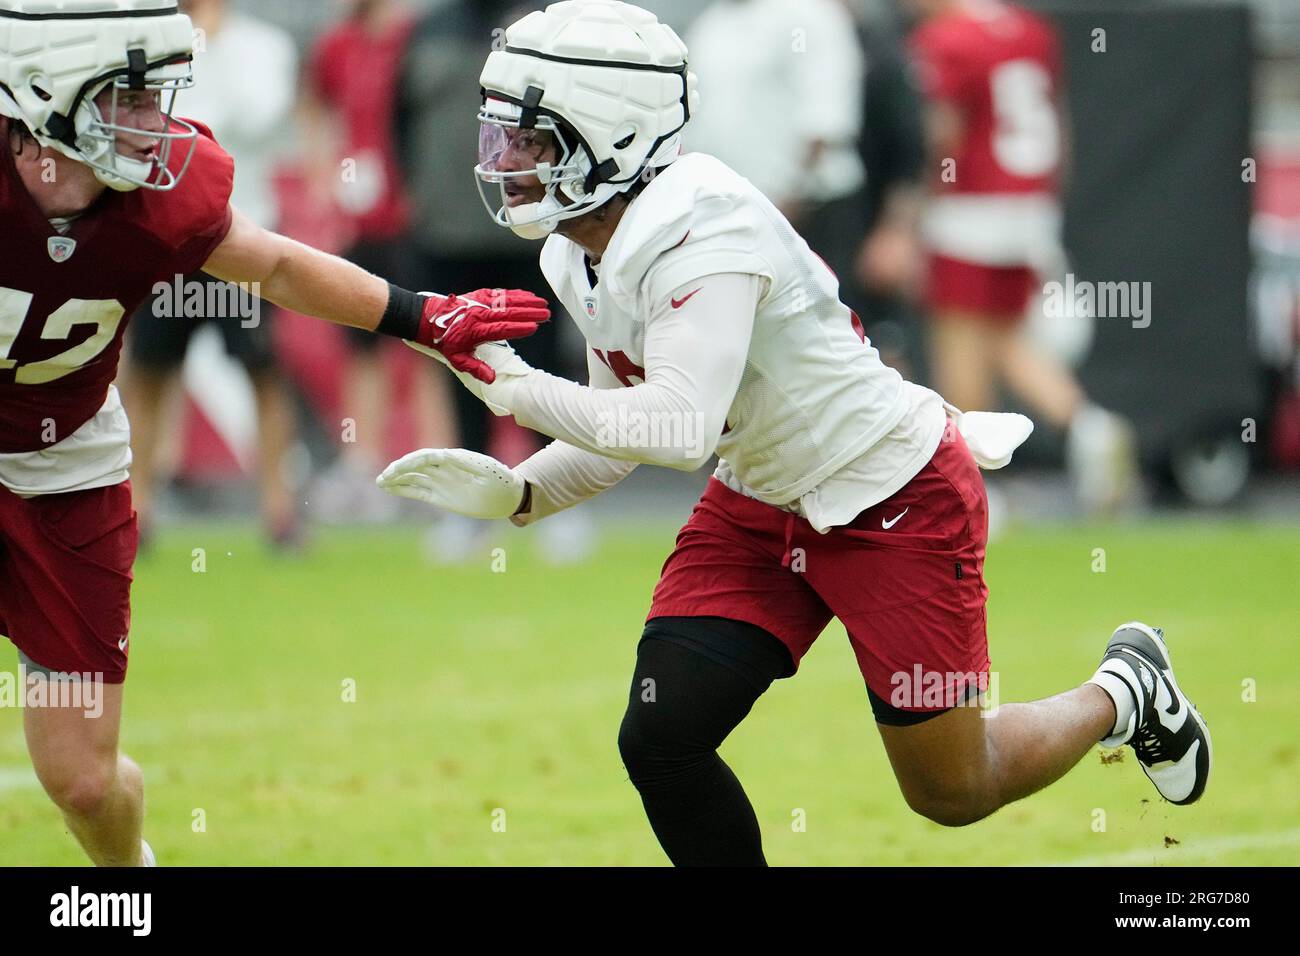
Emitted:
pixel 683 703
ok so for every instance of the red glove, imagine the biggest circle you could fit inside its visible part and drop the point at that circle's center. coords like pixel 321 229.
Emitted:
pixel 454 325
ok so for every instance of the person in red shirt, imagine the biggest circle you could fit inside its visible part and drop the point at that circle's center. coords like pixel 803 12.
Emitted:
pixel 991 73
pixel 106 196
pixel 348 107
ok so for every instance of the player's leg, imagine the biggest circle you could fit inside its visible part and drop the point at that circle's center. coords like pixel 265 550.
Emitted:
pixel 960 302
pixel 918 630
pixel 65 586
pixel 365 394
pixel 961 352
pixel 1045 385
pixel 964 764
pixel 1100 445
pixel 248 340
pixel 99 790
pixel 696 679
pixel 730 615
pixel 144 393
pixel 276 423
pixel 961 765
pixel 156 348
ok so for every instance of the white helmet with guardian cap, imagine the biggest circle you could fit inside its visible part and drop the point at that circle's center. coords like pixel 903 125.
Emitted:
pixel 56 56
pixel 607 81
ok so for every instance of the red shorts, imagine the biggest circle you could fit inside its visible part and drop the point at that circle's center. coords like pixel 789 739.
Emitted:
pixel 65 578
pixel 910 595
pixel 1002 294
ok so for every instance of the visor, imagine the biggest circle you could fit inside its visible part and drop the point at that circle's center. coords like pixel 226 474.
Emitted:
pixel 512 159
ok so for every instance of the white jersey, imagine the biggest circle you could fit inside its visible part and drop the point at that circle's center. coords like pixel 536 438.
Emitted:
pixel 818 424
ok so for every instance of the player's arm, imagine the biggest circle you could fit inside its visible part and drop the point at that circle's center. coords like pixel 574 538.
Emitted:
pixel 944 128
pixel 946 79
pixel 561 475
pixel 298 277
pixel 302 279
pixel 557 477
pixel 696 345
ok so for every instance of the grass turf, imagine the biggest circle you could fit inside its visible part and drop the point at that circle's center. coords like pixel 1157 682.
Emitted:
pixel 485 698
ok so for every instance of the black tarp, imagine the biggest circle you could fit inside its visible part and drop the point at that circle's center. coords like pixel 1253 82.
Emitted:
pixel 1160 125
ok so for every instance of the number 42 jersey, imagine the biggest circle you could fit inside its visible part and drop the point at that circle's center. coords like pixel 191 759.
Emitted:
pixel 65 298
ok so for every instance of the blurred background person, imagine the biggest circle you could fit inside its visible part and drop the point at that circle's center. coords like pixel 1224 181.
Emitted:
pixel 454 239
pixel 348 107
pixel 884 280
pixel 245 72
pixel 781 103
pixel 991 74
pixel 840 147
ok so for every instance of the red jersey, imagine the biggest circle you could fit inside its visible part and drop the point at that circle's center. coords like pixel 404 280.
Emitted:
pixel 65 298
pixel 356 72
pixel 999 67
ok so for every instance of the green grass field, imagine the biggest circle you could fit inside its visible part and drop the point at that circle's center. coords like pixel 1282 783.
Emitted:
pixel 478 691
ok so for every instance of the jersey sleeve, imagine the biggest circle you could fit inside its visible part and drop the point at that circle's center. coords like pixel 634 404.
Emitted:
pixel 696 346
pixel 194 218
pixel 198 249
pixel 563 475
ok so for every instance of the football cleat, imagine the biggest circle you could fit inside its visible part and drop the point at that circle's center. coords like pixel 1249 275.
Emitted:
pixel 1166 731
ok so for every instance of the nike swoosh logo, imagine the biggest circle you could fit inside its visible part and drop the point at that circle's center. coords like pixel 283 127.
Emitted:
pixel 121 645
pixel 1173 711
pixel 678 303
pixel 1174 706
pixel 889 524
pixel 443 321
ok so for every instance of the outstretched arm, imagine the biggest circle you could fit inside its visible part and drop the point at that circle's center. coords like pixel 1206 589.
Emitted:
pixel 561 475
pixel 298 277
pixel 696 345
pixel 557 477
pixel 302 279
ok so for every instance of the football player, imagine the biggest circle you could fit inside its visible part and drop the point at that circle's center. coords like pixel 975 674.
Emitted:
pixel 842 490
pixel 991 73
pixel 103 194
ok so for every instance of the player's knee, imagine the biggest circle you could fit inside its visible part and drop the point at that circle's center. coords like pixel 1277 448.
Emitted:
pixel 81 790
pixel 641 742
pixel 950 806
pixel 652 748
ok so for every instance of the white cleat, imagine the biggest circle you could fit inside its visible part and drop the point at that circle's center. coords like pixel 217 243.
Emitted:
pixel 1166 731
pixel 147 852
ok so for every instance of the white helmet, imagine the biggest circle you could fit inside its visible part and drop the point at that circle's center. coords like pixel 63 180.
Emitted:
pixel 56 56
pixel 608 81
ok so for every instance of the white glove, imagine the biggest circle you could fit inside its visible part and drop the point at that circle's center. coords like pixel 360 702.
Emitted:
pixel 462 481
pixel 505 361
pixel 992 437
